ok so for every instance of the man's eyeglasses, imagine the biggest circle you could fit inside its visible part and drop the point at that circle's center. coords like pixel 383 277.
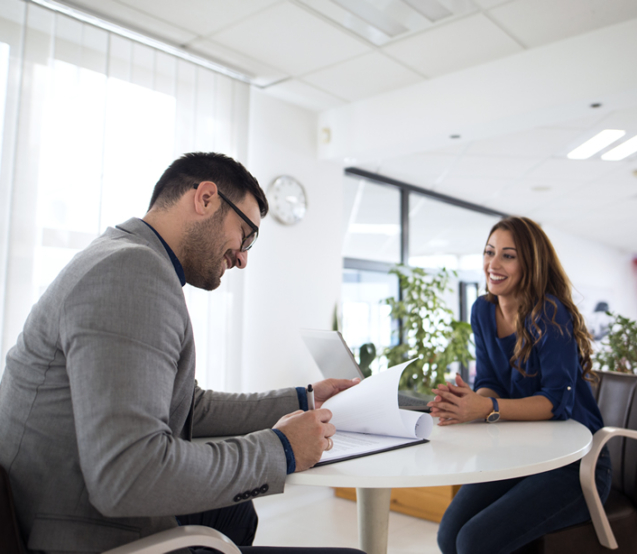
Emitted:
pixel 249 240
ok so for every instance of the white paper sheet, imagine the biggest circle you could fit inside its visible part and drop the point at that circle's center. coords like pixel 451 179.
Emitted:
pixel 368 419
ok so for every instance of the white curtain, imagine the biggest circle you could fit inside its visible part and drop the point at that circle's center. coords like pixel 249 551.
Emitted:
pixel 89 120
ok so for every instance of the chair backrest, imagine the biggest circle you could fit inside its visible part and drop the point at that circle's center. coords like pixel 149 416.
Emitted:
pixel 616 395
pixel 9 531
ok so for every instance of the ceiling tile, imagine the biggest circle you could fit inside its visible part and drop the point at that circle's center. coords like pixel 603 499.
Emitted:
pixel 478 191
pixel 532 143
pixel 488 4
pixel 457 45
pixel 200 16
pixel 621 119
pixel 537 22
pixel 580 201
pixel 363 76
pixel 289 38
pixel 573 170
pixel 493 167
pixel 304 95
pixel 625 175
pixel 134 19
pixel 524 201
pixel 424 169
pixel 582 123
pixel 262 74
pixel 455 148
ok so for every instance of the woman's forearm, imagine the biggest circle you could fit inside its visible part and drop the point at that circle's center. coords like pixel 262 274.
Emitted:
pixel 531 408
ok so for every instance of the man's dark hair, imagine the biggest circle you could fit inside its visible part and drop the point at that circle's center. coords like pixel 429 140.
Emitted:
pixel 230 176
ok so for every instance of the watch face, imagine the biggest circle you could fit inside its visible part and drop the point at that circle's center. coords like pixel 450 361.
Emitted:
pixel 493 417
pixel 287 200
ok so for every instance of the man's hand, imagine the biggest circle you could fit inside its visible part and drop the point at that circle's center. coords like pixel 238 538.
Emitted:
pixel 308 433
pixel 457 403
pixel 329 387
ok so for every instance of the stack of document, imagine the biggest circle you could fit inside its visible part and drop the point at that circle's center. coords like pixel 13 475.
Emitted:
pixel 368 420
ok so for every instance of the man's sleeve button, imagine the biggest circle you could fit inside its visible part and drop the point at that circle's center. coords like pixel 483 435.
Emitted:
pixel 264 488
pixel 255 492
pixel 238 498
pixel 245 495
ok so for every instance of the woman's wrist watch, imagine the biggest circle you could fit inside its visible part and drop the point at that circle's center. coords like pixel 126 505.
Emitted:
pixel 495 414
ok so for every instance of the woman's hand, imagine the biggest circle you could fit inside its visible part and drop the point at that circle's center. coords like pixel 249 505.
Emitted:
pixel 457 403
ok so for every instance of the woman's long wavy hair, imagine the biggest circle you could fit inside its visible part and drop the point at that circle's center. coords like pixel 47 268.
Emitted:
pixel 542 274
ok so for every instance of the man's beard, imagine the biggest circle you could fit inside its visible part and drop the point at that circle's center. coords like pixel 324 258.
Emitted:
pixel 203 260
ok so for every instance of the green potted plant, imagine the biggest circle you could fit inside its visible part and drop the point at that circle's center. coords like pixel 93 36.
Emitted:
pixel 429 331
pixel 618 350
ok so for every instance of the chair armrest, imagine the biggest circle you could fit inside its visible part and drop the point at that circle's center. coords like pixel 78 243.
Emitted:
pixel 587 479
pixel 179 537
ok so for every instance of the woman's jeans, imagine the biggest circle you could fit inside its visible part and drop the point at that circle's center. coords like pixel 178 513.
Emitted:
pixel 502 516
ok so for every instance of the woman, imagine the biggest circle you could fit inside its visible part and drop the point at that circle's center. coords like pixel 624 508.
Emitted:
pixel 533 360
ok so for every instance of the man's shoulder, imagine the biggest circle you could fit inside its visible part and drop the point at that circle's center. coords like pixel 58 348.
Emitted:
pixel 120 256
pixel 132 241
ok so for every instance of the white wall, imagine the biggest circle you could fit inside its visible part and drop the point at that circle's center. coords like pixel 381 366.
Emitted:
pixel 294 273
pixel 598 272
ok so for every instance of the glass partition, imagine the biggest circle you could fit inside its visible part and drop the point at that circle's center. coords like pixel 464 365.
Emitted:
pixel 443 235
pixel 365 318
pixel 371 221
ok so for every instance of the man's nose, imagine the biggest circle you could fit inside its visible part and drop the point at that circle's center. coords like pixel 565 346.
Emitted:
pixel 242 260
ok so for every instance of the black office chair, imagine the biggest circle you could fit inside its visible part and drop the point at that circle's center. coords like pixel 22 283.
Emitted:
pixel 613 527
pixel 166 541
pixel 9 533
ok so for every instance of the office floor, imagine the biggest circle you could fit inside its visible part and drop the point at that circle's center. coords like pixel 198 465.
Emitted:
pixel 313 516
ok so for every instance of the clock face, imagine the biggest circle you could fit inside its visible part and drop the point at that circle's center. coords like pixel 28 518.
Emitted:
pixel 287 200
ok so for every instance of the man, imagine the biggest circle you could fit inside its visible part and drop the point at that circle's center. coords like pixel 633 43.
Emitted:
pixel 98 401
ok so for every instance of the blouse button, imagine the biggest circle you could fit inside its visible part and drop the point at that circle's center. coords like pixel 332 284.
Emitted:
pixel 568 388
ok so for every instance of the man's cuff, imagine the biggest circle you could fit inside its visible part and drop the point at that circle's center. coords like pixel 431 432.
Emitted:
pixel 302 394
pixel 289 453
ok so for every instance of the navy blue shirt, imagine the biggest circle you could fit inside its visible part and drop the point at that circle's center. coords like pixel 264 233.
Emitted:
pixel 553 367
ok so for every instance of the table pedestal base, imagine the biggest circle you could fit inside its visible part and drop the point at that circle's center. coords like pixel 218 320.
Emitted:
pixel 373 519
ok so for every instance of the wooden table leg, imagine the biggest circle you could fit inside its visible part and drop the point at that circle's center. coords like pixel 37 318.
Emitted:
pixel 373 519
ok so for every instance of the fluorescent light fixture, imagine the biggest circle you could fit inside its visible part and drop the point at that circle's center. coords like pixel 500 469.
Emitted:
pixel 373 16
pixel 593 145
pixel 622 151
pixel 431 9
pixel 374 229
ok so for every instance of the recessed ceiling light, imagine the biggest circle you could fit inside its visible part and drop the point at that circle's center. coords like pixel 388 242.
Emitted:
pixel 622 151
pixel 593 145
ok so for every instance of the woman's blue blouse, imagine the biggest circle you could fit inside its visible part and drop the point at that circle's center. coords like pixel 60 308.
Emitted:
pixel 553 367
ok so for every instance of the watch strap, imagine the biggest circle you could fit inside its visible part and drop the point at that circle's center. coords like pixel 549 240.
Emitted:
pixel 495 414
pixel 496 408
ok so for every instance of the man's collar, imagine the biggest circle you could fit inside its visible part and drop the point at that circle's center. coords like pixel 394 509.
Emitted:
pixel 173 258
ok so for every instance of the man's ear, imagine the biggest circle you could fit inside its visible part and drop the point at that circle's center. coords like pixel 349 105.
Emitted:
pixel 206 198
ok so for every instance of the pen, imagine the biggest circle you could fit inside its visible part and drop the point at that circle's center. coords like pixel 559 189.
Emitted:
pixel 310 397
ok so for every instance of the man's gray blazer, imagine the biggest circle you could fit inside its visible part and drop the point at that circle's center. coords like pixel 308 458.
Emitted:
pixel 98 403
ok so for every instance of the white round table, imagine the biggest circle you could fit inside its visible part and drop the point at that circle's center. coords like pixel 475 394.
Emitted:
pixel 474 452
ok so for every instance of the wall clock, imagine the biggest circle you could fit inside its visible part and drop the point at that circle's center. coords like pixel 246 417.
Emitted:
pixel 287 200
